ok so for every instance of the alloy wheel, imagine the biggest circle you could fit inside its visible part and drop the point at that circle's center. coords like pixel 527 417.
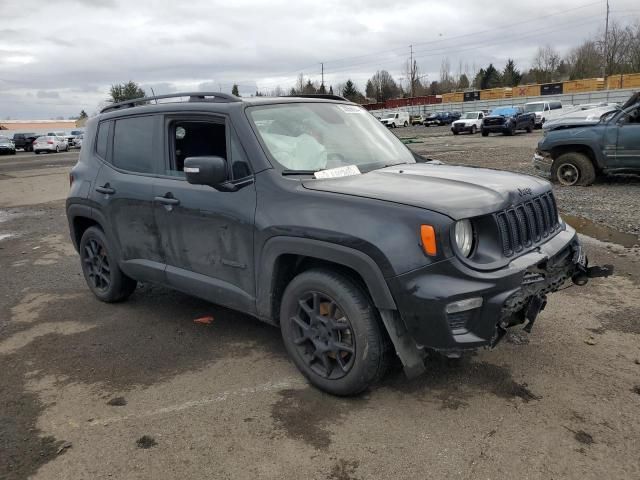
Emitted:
pixel 323 336
pixel 96 264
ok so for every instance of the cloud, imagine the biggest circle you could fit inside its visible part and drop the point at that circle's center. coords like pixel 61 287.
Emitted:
pixel 45 94
pixel 204 45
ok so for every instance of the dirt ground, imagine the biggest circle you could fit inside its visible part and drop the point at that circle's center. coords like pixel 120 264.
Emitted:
pixel 139 391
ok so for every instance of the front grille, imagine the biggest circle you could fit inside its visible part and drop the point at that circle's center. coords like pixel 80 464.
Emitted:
pixel 527 223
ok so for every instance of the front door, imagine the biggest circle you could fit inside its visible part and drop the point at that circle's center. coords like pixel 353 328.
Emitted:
pixel 123 192
pixel 206 234
pixel 628 144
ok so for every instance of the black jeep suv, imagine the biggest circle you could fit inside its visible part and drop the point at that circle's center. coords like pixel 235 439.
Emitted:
pixel 308 214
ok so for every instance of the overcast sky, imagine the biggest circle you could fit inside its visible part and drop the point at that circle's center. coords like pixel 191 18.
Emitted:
pixel 58 57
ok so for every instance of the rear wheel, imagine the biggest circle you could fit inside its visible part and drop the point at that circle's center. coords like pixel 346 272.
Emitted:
pixel 332 332
pixel 455 132
pixel 473 130
pixel 100 268
pixel 573 168
pixel 530 128
pixel 485 133
pixel 57 148
pixel 37 152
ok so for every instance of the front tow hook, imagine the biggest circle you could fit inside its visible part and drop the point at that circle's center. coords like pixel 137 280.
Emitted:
pixel 583 274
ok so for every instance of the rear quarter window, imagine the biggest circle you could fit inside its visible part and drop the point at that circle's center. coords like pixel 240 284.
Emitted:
pixel 133 144
pixel 101 141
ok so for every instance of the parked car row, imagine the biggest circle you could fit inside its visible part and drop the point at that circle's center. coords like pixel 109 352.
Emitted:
pixel 47 142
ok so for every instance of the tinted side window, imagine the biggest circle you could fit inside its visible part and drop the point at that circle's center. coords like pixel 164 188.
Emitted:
pixel 101 142
pixel 133 144
pixel 556 106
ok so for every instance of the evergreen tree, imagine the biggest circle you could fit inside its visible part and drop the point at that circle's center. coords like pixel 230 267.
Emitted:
pixel 125 91
pixel 350 92
pixel 511 76
pixel 82 115
pixel 234 90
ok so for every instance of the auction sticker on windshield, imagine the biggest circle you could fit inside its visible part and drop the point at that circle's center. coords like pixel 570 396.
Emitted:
pixel 351 109
pixel 338 172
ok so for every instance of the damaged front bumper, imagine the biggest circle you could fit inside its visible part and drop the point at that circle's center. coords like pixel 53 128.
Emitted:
pixel 485 303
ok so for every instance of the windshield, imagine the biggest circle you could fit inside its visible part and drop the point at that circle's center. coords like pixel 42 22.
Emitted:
pixel 534 107
pixel 506 111
pixel 317 136
pixel 471 115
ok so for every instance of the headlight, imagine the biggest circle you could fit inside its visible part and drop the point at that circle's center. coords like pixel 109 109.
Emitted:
pixel 464 236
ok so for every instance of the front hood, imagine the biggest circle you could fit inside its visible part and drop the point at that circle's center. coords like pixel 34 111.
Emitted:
pixel 569 123
pixel 459 192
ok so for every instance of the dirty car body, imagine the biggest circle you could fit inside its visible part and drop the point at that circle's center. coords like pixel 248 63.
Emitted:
pixel 446 257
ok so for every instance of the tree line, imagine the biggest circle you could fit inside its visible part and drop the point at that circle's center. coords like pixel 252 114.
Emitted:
pixel 617 53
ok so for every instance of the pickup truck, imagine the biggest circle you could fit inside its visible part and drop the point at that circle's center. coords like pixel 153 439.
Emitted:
pixel 574 151
pixel 441 118
pixel 24 140
pixel 507 120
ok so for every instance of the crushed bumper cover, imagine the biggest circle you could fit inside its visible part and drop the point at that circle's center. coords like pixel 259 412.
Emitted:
pixel 542 164
pixel 510 296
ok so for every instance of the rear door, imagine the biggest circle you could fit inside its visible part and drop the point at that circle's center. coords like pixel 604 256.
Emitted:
pixel 207 235
pixel 131 153
pixel 628 144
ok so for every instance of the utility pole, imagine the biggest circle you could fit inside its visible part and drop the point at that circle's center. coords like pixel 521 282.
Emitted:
pixel 606 44
pixel 322 75
pixel 412 72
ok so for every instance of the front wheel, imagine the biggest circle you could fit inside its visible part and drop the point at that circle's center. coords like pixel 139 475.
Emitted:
pixel 473 130
pixel 485 133
pixel 332 332
pixel 101 270
pixel 406 124
pixel 530 128
pixel 37 152
pixel 573 168
pixel 57 148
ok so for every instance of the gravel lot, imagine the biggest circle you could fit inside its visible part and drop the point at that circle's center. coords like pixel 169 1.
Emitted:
pixel 139 391
pixel 612 202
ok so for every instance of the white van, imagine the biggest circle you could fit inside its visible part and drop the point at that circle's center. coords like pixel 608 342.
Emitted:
pixel 544 110
pixel 395 119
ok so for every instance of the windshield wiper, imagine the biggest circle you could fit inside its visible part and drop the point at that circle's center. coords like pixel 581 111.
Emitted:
pixel 299 172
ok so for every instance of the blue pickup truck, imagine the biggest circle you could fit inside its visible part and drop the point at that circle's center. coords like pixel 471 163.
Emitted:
pixel 507 120
pixel 575 151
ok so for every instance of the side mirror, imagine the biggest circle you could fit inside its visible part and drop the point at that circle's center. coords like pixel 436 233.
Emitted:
pixel 210 171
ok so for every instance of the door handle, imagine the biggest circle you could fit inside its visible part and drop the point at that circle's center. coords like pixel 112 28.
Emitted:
pixel 106 189
pixel 167 200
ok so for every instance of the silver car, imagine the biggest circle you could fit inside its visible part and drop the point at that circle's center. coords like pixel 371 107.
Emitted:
pixel 50 143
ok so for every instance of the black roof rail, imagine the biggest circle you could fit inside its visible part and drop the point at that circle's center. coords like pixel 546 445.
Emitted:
pixel 326 96
pixel 218 97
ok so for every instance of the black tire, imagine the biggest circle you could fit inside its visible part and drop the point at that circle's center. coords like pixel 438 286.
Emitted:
pixel 100 269
pixel 338 371
pixel 406 124
pixel 57 148
pixel 474 130
pixel 37 152
pixel 530 128
pixel 455 132
pixel 485 133
pixel 511 131
pixel 573 168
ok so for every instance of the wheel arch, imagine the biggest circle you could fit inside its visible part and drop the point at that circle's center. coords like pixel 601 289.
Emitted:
pixel 283 258
pixel 586 150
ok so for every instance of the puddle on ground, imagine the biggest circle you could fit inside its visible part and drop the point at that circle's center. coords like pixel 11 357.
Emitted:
pixel 601 232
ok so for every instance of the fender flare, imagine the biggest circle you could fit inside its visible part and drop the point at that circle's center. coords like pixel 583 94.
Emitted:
pixel 364 265
pixel 75 210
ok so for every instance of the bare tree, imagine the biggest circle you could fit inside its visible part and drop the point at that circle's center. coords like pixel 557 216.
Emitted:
pixel 545 63
pixel 585 61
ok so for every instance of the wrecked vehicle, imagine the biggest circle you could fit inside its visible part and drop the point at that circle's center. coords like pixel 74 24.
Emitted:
pixel 307 213
pixel 574 151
